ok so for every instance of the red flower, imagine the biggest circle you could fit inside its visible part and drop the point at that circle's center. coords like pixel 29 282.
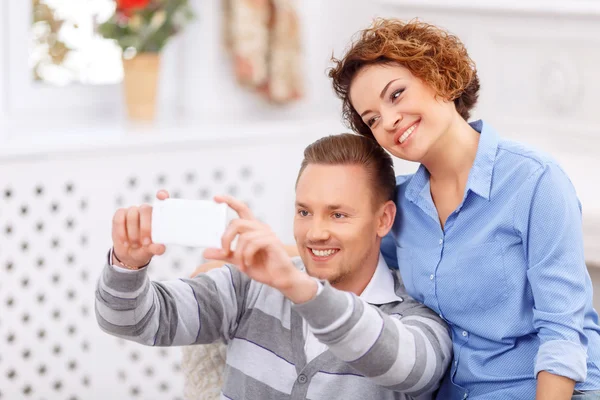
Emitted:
pixel 130 5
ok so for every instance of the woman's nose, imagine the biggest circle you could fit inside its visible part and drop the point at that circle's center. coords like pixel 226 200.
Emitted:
pixel 391 120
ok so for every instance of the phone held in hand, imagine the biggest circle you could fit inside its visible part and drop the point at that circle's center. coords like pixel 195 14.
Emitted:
pixel 192 223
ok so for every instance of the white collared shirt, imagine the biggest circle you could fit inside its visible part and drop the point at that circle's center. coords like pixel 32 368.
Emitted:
pixel 380 290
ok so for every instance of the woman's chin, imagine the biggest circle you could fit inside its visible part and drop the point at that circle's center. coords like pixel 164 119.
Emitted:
pixel 406 154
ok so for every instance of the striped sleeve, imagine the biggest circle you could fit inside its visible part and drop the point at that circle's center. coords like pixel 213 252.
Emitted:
pixel 408 353
pixel 170 313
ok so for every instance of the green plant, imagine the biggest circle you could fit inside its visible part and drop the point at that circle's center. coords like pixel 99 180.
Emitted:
pixel 47 36
pixel 141 26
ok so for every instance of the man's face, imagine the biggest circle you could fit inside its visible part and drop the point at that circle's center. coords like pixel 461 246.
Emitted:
pixel 336 226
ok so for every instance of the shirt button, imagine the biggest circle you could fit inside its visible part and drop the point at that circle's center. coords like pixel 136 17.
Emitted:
pixel 465 396
pixel 464 333
pixel 441 241
pixel 456 362
pixel 431 276
pixel 302 378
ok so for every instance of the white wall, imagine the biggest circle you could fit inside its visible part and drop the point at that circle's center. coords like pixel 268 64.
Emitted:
pixel 3 39
pixel 209 90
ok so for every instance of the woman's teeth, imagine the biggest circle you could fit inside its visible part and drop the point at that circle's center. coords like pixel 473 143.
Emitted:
pixel 323 253
pixel 407 133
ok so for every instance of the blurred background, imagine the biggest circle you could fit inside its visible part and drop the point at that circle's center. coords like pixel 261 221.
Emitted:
pixel 102 104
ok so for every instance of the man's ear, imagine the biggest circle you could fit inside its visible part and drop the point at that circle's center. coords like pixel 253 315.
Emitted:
pixel 387 214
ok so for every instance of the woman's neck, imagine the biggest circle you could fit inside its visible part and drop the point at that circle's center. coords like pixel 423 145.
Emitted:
pixel 451 158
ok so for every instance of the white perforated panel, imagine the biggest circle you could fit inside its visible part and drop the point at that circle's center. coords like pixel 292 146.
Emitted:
pixel 45 303
pixel 55 220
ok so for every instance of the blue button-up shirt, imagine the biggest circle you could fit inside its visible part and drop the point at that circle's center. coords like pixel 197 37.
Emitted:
pixel 507 272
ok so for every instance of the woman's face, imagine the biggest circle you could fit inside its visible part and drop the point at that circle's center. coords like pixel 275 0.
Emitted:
pixel 403 112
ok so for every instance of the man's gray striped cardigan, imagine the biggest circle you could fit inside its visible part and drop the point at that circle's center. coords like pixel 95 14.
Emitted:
pixel 397 350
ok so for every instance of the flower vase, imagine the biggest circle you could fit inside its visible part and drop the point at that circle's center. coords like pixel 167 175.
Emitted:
pixel 140 82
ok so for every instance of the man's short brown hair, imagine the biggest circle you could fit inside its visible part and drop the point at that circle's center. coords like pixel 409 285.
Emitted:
pixel 351 149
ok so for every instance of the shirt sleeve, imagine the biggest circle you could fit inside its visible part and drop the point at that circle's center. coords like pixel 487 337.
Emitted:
pixel 407 354
pixel 169 313
pixel 548 219
pixel 388 251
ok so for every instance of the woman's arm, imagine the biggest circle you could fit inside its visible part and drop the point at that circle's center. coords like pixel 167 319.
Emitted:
pixel 554 387
pixel 548 220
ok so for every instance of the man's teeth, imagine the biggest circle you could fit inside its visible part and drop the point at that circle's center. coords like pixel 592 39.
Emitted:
pixel 407 133
pixel 323 253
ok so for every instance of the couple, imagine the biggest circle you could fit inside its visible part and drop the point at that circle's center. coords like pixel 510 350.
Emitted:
pixel 486 234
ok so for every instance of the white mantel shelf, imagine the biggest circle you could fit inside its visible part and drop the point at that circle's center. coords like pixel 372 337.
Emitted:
pixel 76 138
pixel 582 8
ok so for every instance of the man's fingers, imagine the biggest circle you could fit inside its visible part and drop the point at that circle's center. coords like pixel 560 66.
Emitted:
pixel 162 194
pixel 133 227
pixel 157 249
pixel 145 224
pixel 236 205
pixel 240 248
pixel 253 243
pixel 236 227
pixel 217 254
pixel 119 233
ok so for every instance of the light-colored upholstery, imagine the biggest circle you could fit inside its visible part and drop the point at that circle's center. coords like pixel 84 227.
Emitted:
pixel 202 367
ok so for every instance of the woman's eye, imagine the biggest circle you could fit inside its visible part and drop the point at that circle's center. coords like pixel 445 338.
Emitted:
pixel 371 121
pixel 396 94
pixel 338 215
pixel 303 213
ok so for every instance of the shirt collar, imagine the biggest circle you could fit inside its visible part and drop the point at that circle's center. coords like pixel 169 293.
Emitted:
pixel 480 176
pixel 381 289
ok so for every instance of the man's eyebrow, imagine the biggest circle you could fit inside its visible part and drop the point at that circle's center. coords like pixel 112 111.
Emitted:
pixel 330 207
pixel 334 207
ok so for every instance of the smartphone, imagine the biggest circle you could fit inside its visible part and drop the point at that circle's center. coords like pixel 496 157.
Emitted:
pixel 192 223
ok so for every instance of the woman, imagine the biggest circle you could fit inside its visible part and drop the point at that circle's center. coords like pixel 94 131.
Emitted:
pixel 488 232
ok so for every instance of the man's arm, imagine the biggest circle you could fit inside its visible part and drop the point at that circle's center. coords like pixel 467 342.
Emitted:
pixel 408 353
pixel 170 313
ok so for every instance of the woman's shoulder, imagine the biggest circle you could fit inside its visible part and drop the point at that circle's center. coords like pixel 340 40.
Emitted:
pixel 510 151
pixel 520 163
pixel 403 180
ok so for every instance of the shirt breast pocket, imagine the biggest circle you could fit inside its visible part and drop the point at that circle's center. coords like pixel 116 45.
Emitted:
pixel 480 277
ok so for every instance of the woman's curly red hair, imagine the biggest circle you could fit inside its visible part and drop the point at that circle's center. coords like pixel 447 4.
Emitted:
pixel 429 52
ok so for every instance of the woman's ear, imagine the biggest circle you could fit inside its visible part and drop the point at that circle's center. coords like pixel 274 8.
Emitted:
pixel 387 215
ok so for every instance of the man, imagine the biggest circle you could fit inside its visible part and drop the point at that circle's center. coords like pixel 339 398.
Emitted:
pixel 333 323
